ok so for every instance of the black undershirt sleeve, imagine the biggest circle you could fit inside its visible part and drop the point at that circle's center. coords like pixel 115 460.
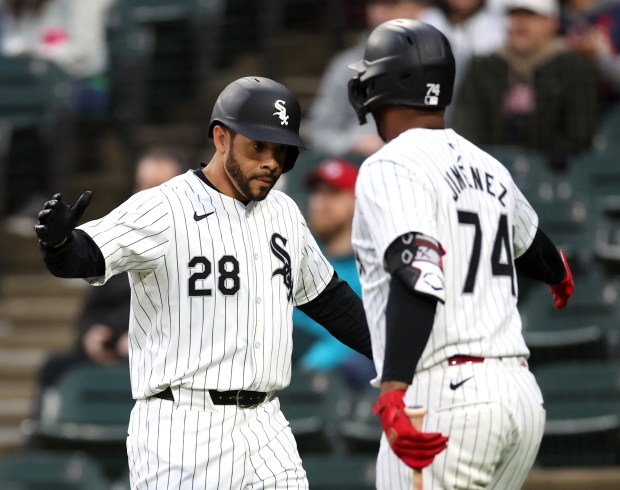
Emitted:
pixel 542 261
pixel 409 320
pixel 78 257
pixel 340 310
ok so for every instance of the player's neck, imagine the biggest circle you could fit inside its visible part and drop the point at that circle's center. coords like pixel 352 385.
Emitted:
pixel 396 120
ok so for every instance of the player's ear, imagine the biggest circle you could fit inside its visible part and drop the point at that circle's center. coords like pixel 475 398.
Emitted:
pixel 220 138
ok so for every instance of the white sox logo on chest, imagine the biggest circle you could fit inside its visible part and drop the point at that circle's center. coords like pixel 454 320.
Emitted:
pixel 277 244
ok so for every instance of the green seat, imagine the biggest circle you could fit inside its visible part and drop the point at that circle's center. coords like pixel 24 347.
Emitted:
pixel 31 89
pixel 88 410
pixel 517 160
pixel 89 403
pixel 314 403
pixel 584 330
pixel 581 433
pixel 570 225
pixel 607 138
pixel 607 235
pixel 348 472
pixel 583 381
pixel 528 169
pixel 362 432
pixel 36 125
pixel 603 172
pixel 48 470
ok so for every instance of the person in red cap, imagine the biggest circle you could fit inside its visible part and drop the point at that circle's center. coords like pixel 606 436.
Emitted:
pixel 330 213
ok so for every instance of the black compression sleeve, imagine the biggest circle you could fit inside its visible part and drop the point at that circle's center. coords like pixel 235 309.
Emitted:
pixel 341 312
pixel 408 323
pixel 542 261
pixel 78 257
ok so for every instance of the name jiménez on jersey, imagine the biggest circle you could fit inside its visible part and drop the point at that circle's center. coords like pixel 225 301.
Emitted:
pixel 461 178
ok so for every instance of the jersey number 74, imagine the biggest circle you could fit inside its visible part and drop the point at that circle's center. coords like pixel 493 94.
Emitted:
pixel 501 243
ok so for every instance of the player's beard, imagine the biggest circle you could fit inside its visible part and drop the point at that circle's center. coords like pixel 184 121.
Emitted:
pixel 242 182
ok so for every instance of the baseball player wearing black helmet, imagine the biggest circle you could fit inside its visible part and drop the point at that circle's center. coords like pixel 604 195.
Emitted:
pixel 440 231
pixel 216 262
pixel 247 107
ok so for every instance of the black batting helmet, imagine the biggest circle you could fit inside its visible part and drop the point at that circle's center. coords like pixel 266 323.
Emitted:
pixel 263 110
pixel 407 63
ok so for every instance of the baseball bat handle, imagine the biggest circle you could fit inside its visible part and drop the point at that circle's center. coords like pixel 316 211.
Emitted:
pixel 416 415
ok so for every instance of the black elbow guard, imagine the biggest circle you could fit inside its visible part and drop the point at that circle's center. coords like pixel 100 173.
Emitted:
pixel 415 259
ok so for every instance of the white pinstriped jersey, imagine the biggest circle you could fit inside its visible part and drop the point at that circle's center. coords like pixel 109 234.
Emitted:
pixel 437 183
pixel 213 284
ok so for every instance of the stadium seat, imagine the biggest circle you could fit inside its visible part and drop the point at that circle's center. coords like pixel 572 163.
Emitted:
pixel 607 139
pixel 517 160
pixel 88 410
pixel 362 433
pixel 314 404
pixel 581 433
pixel 607 235
pixel 36 110
pixel 570 225
pixel 51 470
pixel 582 381
pixel 346 472
pixel 602 171
pixel 584 330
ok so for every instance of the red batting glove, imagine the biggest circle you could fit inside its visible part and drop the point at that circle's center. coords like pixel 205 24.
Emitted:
pixel 417 449
pixel 563 290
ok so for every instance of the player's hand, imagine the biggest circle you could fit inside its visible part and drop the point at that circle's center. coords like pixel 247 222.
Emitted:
pixel 563 290
pixel 57 219
pixel 417 449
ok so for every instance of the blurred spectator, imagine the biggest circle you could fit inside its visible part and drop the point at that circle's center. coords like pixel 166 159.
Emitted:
pixel 534 91
pixel 332 126
pixel 103 323
pixel 330 213
pixel 473 27
pixel 592 27
pixel 69 33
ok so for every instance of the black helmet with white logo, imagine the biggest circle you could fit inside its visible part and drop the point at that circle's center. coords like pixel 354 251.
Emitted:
pixel 406 63
pixel 263 110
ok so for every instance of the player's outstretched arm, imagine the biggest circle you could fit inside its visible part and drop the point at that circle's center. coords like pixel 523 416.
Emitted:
pixel 563 290
pixel 68 252
pixel 543 262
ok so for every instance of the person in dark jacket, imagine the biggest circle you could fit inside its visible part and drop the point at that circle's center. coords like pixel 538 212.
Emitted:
pixel 534 91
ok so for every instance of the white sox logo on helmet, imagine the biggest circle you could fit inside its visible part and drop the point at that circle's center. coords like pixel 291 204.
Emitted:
pixel 281 113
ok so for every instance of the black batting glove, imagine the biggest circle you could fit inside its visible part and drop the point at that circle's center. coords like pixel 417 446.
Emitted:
pixel 57 219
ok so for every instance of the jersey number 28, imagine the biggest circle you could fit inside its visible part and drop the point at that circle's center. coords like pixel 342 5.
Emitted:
pixel 228 280
pixel 501 243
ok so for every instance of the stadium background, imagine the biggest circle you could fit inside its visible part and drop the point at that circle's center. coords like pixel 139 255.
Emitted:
pixel 168 61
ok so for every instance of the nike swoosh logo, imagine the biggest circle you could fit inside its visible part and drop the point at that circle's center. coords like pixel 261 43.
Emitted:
pixel 198 217
pixel 454 386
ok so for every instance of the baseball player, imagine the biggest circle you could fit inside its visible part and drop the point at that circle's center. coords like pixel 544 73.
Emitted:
pixel 440 232
pixel 216 263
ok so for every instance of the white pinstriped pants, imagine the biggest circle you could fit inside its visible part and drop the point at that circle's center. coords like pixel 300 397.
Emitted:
pixel 494 420
pixel 229 448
